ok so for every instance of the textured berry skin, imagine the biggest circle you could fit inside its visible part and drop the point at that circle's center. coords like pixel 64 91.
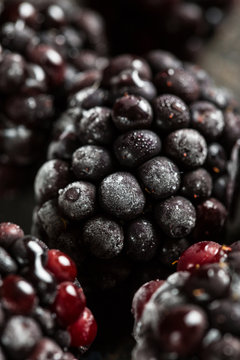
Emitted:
pixel 176 216
pixel 125 203
pixel 103 237
pixel 49 49
pixel 201 320
pixel 180 26
pixel 187 147
pixel 145 172
pixel 40 299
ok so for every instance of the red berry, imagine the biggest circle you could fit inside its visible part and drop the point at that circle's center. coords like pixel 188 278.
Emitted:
pixel 84 330
pixel 18 296
pixel 143 295
pixel 205 252
pixel 69 303
pixel 9 233
pixel 61 265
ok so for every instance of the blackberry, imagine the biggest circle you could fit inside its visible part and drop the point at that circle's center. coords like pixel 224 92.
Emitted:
pixel 202 322
pixel 180 26
pixel 40 299
pixel 131 178
pixel 48 49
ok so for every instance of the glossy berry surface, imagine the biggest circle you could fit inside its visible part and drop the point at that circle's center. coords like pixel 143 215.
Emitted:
pixel 48 50
pixel 61 265
pixel 135 170
pixel 68 304
pixel 84 330
pixel 205 252
pixel 200 321
pixel 40 299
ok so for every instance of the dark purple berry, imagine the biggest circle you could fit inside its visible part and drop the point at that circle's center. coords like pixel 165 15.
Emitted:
pixel 142 240
pixel 181 330
pixel 160 177
pixel 130 82
pixel 160 60
pixel 95 127
pixel 51 177
pixel 171 113
pixel 211 217
pixel 126 62
pixel 207 283
pixel 197 185
pixel 232 128
pixel 103 237
pixel 132 112
pixel 207 119
pixel 77 200
pixel 51 220
pixel 121 195
pixel 91 162
pixel 216 158
pixel 137 146
pixel 187 147
pixel 178 82
pixel 176 216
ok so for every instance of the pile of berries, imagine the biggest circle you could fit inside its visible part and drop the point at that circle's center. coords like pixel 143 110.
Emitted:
pixel 48 48
pixel 139 167
pixel 181 26
pixel 195 313
pixel 43 313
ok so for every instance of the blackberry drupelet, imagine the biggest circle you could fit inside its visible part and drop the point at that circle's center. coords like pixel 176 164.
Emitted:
pixel 48 49
pixel 134 169
pixel 180 26
pixel 194 314
pixel 43 313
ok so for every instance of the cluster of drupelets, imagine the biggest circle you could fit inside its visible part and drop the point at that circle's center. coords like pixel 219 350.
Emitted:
pixel 141 161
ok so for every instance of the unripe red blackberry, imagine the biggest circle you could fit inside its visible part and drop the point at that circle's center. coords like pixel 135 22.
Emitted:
pixel 134 167
pixel 180 26
pixel 43 313
pixel 194 314
pixel 48 49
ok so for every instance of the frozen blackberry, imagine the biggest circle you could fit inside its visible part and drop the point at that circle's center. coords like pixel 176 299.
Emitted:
pixel 202 321
pixel 48 49
pixel 131 176
pixel 40 298
pixel 181 26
